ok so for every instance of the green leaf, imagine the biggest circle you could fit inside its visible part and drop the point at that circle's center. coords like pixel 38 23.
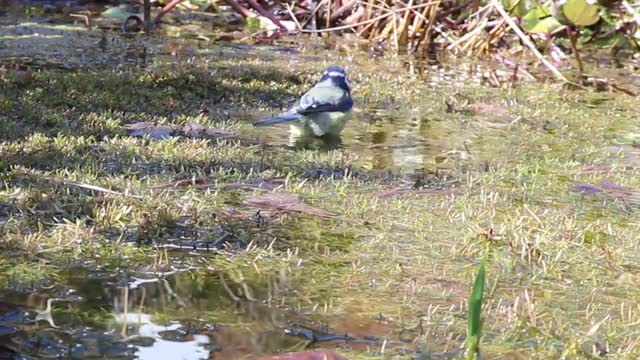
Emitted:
pixel 581 12
pixel 538 20
pixel 258 23
pixel 518 7
pixel 116 12
pixel 475 312
pixel 252 23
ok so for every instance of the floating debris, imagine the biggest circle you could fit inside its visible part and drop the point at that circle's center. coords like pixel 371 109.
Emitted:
pixel 161 132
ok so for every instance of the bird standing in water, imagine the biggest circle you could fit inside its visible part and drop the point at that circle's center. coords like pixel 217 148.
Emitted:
pixel 322 111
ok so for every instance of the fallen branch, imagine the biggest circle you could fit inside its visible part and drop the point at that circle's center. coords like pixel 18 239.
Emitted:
pixel 343 9
pixel 166 9
pixel 359 13
pixel 239 8
pixel 266 14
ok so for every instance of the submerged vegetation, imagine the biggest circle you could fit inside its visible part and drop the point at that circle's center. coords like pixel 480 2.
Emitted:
pixel 139 207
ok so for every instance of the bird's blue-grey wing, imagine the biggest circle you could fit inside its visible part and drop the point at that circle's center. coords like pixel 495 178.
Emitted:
pixel 284 117
pixel 290 115
pixel 324 99
pixel 318 99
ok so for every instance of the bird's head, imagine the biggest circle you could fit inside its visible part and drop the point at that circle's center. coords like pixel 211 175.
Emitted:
pixel 338 76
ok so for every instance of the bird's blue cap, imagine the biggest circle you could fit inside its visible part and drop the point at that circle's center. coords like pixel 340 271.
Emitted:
pixel 337 75
pixel 334 71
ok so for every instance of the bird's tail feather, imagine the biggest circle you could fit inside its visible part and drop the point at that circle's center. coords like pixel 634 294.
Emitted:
pixel 276 119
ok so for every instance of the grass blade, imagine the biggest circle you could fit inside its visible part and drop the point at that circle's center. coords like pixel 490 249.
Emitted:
pixel 474 315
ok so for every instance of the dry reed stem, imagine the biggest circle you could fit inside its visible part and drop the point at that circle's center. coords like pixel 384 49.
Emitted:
pixel 363 30
pixel 369 10
pixel 496 5
pixel 377 18
pixel 328 22
pixel 468 37
pixel 421 18
pixel 404 29
pixel 293 16
pixel 426 39
pixel 394 25
pixel 313 12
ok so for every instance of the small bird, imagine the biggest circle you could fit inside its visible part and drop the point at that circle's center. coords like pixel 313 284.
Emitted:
pixel 323 110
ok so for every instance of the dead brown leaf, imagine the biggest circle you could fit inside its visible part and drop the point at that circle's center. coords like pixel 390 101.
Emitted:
pixel 148 128
pixel 490 109
pixel 161 132
pixel 285 202
pixel 193 129
pixel 218 133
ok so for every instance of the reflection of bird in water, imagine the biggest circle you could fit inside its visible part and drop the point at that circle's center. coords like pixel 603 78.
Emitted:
pixel 322 112
pixel 323 143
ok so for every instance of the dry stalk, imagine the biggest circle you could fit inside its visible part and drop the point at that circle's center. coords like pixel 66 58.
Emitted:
pixel 373 20
pixel 404 28
pixel 293 16
pixel 496 5
pixel 470 36
pixel 314 12
pixel 368 13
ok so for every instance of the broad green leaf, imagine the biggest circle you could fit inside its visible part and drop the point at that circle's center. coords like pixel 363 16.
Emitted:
pixel 581 12
pixel 264 23
pixel 259 23
pixel 538 20
pixel 518 7
pixel 252 23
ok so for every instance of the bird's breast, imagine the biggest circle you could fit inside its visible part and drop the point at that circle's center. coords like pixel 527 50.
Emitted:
pixel 319 124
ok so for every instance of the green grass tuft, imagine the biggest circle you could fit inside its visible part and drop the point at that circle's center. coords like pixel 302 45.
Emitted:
pixel 474 330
